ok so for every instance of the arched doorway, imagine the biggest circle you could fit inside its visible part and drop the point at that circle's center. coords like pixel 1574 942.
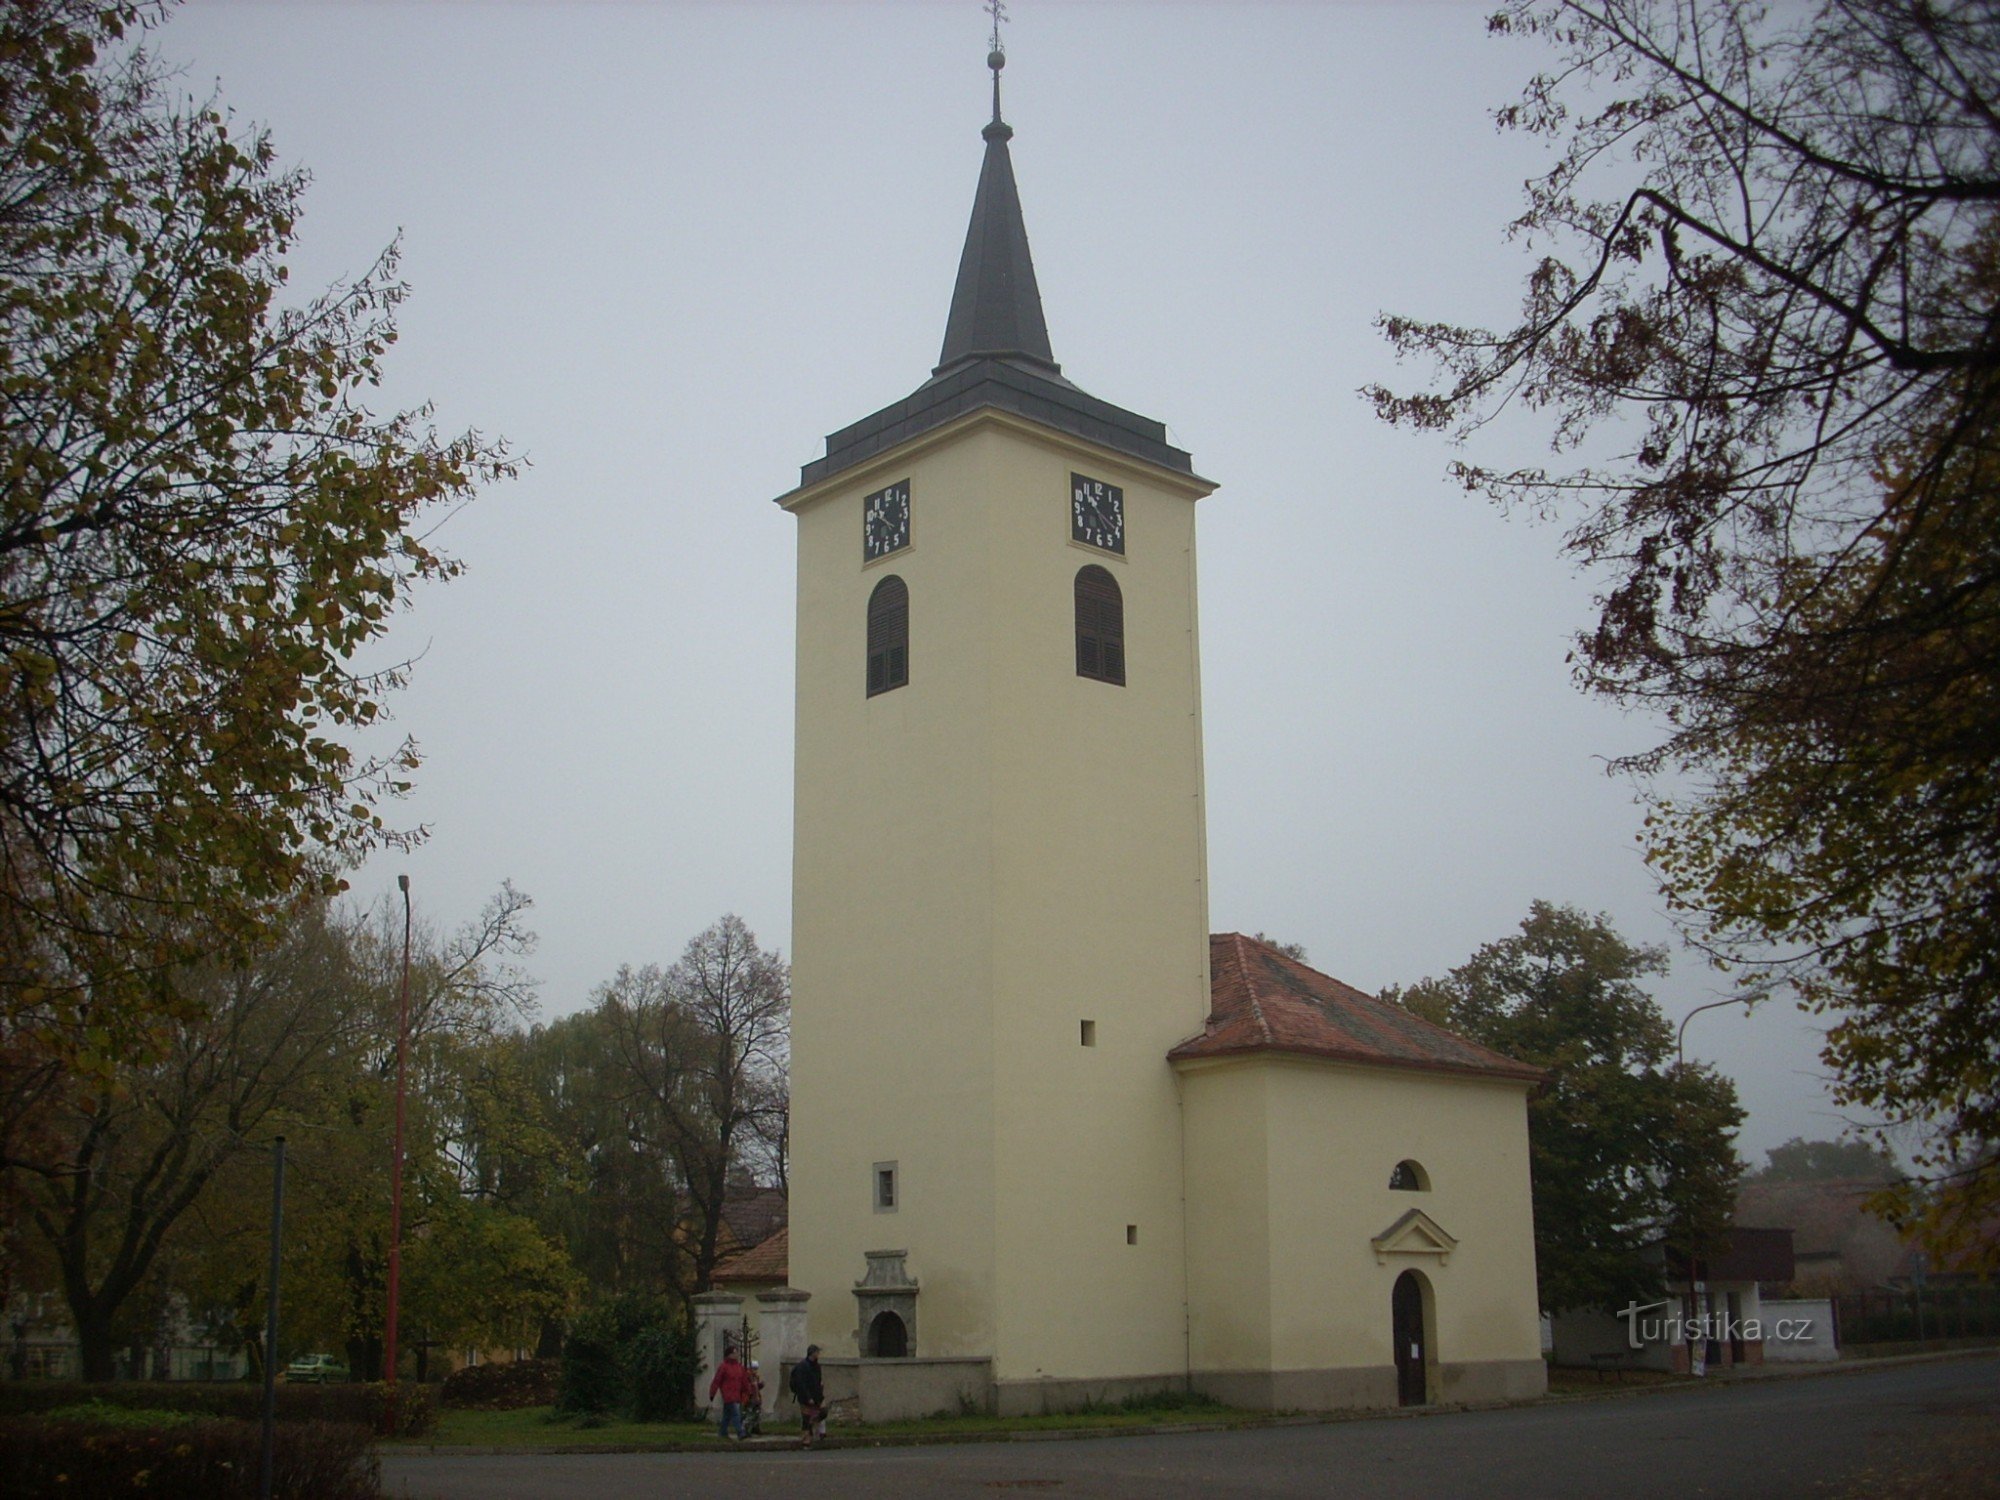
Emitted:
pixel 887 1337
pixel 1406 1305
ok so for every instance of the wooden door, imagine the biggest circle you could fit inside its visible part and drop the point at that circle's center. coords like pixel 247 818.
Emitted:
pixel 1407 1317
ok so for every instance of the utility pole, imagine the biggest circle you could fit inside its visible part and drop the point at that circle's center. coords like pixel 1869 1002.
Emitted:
pixel 396 1179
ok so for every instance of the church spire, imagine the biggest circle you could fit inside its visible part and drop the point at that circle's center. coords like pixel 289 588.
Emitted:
pixel 996 308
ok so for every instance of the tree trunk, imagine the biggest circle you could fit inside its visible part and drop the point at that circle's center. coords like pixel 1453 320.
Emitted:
pixel 364 1357
pixel 94 1348
pixel 549 1345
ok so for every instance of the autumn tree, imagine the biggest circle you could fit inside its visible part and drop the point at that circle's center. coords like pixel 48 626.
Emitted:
pixel 202 526
pixel 1627 1147
pixel 703 1048
pixel 1764 330
pixel 152 1185
pixel 118 1165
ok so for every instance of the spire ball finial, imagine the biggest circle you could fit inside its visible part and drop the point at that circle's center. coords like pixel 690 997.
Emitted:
pixel 996 59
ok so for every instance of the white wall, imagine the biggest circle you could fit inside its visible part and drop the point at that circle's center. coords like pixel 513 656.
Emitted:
pixel 1799 1331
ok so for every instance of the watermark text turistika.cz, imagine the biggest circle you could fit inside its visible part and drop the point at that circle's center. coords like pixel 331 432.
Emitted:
pixel 1675 1328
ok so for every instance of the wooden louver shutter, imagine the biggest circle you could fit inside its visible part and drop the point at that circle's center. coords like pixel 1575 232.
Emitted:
pixel 1100 626
pixel 888 636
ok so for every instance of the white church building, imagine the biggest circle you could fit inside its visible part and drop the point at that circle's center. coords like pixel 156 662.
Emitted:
pixel 1053 1141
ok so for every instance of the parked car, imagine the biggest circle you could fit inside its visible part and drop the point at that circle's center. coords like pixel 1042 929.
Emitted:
pixel 315 1369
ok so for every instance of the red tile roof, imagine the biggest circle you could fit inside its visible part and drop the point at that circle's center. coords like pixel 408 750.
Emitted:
pixel 1262 1001
pixel 750 1213
pixel 768 1261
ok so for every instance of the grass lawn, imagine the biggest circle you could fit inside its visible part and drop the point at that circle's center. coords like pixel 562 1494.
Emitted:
pixel 538 1427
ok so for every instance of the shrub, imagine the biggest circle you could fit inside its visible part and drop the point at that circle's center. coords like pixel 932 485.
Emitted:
pixel 593 1377
pixel 632 1355
pixel 1169 1401
pixel 104 1414
pixel 508 1387
pixel 660 1366
pixel 413 1407
pixel 202 1460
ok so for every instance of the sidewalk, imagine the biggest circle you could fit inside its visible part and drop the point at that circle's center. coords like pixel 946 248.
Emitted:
pixel 836 1439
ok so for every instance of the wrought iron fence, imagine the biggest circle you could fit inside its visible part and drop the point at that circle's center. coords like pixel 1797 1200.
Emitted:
pixel 1890 1315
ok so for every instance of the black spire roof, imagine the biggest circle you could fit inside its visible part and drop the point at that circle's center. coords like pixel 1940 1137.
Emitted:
pixel 996 309
pixel 996 344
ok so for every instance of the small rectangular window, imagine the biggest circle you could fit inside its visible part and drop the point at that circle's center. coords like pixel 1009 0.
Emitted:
pixel 1090 1033
pixel 1131 1234
pixel 885 1187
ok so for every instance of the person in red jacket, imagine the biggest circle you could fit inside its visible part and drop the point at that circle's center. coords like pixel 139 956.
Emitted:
pixel 732 1383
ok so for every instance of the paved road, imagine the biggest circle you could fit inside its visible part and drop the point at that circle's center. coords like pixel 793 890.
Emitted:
pixel 1835 1435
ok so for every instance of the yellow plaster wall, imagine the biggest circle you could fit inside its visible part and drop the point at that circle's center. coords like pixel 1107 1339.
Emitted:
pixel 1231 1319
pixel 984 859
pixel 1331 1136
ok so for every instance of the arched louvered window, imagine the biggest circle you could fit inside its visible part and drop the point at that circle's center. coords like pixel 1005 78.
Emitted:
pixel 1100 626
pixel 888 636
pixel 1410 1178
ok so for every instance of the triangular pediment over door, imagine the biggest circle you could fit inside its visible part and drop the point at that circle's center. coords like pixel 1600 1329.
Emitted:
pixel 1416 1233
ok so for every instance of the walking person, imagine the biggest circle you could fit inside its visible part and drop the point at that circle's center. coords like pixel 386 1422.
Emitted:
pixel 753 1402
pixel 732 1383
pixel 809 1390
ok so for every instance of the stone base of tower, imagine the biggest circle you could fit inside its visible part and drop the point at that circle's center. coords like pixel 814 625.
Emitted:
pixel 907 1390
pixel 903 1390
pixel 1046 1397
pixel 1367 1387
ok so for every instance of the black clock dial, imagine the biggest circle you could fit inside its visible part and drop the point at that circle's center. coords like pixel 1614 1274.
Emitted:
pixel 885 521
pixel 1097 513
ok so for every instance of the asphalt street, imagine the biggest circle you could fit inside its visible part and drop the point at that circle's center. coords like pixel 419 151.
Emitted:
pixel 1842 1434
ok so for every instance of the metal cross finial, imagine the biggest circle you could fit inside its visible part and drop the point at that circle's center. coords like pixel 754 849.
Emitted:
pixel 997 58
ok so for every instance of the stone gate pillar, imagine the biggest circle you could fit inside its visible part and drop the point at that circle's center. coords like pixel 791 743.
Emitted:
pixel 781 1325
pixel 718 1319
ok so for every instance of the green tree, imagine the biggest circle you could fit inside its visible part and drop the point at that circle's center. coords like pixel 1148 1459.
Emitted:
pixel 1627 1147
pixel 466 994
pixel 702 1050
pixel 1801 1160
pixel 202 525
pixel 1765 331
pixel 611 1197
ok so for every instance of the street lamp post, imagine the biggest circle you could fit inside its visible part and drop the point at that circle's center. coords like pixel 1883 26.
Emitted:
pixel 1691 1308
pixel 396 1180
pixel 268 1427
pixel 1680 1038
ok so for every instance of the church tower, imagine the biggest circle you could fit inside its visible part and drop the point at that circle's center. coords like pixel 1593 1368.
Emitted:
pixel 1000 922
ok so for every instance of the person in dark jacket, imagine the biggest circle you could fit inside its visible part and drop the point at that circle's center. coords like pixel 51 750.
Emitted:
pixel 809 1390
pixel 732 1383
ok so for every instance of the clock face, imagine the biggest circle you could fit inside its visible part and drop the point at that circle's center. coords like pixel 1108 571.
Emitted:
pixel 1097 513
pixel 885 521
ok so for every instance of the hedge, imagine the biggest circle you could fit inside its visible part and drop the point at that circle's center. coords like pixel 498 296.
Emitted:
pixel 504 1387
pixel 41 1459
pixel 369 1406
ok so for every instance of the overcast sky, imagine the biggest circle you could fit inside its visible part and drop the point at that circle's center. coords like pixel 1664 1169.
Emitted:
pixel 665 248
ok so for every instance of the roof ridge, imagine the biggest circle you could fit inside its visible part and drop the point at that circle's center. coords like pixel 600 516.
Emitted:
pixel 1250 988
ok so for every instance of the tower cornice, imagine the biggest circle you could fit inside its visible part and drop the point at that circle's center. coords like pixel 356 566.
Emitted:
pixel 1178 479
